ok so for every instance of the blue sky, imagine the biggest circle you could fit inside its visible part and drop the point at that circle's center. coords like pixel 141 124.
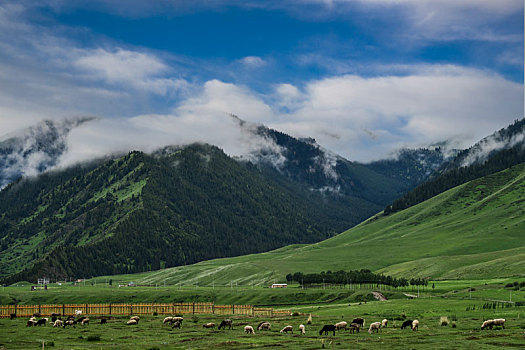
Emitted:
pixel 363 77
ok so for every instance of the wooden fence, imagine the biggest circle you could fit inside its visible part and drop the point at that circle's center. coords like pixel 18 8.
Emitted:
pixel 138 309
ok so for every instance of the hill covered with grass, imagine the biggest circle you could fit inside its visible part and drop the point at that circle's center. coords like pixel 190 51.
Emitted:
pixel 475 230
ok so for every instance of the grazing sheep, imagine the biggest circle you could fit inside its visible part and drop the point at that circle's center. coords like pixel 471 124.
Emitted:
pixel 354 327
pixel 85 321
pixel 78 312
pixel 286 329
pixel 264 325
pixel 167 319
pixel 407 323
pixel 176 319
pixel 327 328
pixel 70 322
pixel 443 321
pixel 341 325
pixel 225 323
pixel 30 323
pixel 12 316
pixel 209 325
pixel 360 321
pixel 499 322
pixel 249 330
pixel 132 322
pixel 374 327
pixel 80 319
pixel 415 325
pixel 41 322
pixel 54 314
pixel 384 323
pixel 302 329
pixel 103 321
pixel 177 324
pixel 136 318
pixel 58 323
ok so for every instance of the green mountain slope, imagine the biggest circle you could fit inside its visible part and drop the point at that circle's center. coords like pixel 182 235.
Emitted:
pixel 475 230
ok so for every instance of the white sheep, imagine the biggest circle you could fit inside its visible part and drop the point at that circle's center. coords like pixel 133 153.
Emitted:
pixel 249 330
pixel 58 323
pixel 302 329
pixel 287 329
pixel 78 312
pixel 85 321
pixel 384 323
pixel 415 325
pixel 136 318
pixel 132 322
pixel 209 325
pixel 264 325
pixel 374 326
pixel 341 325
pixel 167 319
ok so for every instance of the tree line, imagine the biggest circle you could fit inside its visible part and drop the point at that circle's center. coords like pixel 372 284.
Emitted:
pixel 362 276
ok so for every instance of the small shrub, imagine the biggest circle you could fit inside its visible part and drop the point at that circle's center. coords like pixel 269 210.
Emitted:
pixel 443 321
pixel 453 317
pixel 403 315
pixel 454 325
pixel 155 313
pixel 93 338
pixel 295 313
pixel 50 343
pixel 153 348
pixel 509 285
pixel 195 319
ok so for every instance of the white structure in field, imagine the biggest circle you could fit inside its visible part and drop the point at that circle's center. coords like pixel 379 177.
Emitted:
pixel 279 285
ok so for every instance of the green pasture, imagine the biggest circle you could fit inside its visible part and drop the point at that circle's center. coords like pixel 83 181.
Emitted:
pixel 466 303
pixel 150 333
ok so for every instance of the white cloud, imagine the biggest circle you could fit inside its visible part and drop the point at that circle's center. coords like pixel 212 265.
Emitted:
pixel 140 70
pixel 433 104
pixel 253 61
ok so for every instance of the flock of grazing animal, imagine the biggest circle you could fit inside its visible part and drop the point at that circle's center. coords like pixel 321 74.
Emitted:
pixel 176 322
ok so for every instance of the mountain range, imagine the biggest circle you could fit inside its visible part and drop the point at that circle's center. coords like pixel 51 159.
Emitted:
pixel 183 204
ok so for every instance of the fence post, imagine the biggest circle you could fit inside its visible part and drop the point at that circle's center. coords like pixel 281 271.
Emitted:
pixel 131 309
pixel 63 310
pixel 213 308
pixel 16 305
pixel 87 309
pixel 233 309
pixel 193 308
pixel 39 309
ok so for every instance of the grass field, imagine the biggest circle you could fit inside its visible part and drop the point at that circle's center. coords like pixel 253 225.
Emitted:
pixel 151 334
pixel 464 302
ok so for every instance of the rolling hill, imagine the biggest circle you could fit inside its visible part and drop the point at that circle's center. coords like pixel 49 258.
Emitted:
pixel 475 230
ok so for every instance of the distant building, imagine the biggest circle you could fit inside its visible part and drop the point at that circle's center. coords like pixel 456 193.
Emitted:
pixel 43 281
pixel 279 285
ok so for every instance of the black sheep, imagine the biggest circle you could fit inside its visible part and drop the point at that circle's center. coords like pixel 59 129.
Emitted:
pixel 407 323
pixel 327 328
